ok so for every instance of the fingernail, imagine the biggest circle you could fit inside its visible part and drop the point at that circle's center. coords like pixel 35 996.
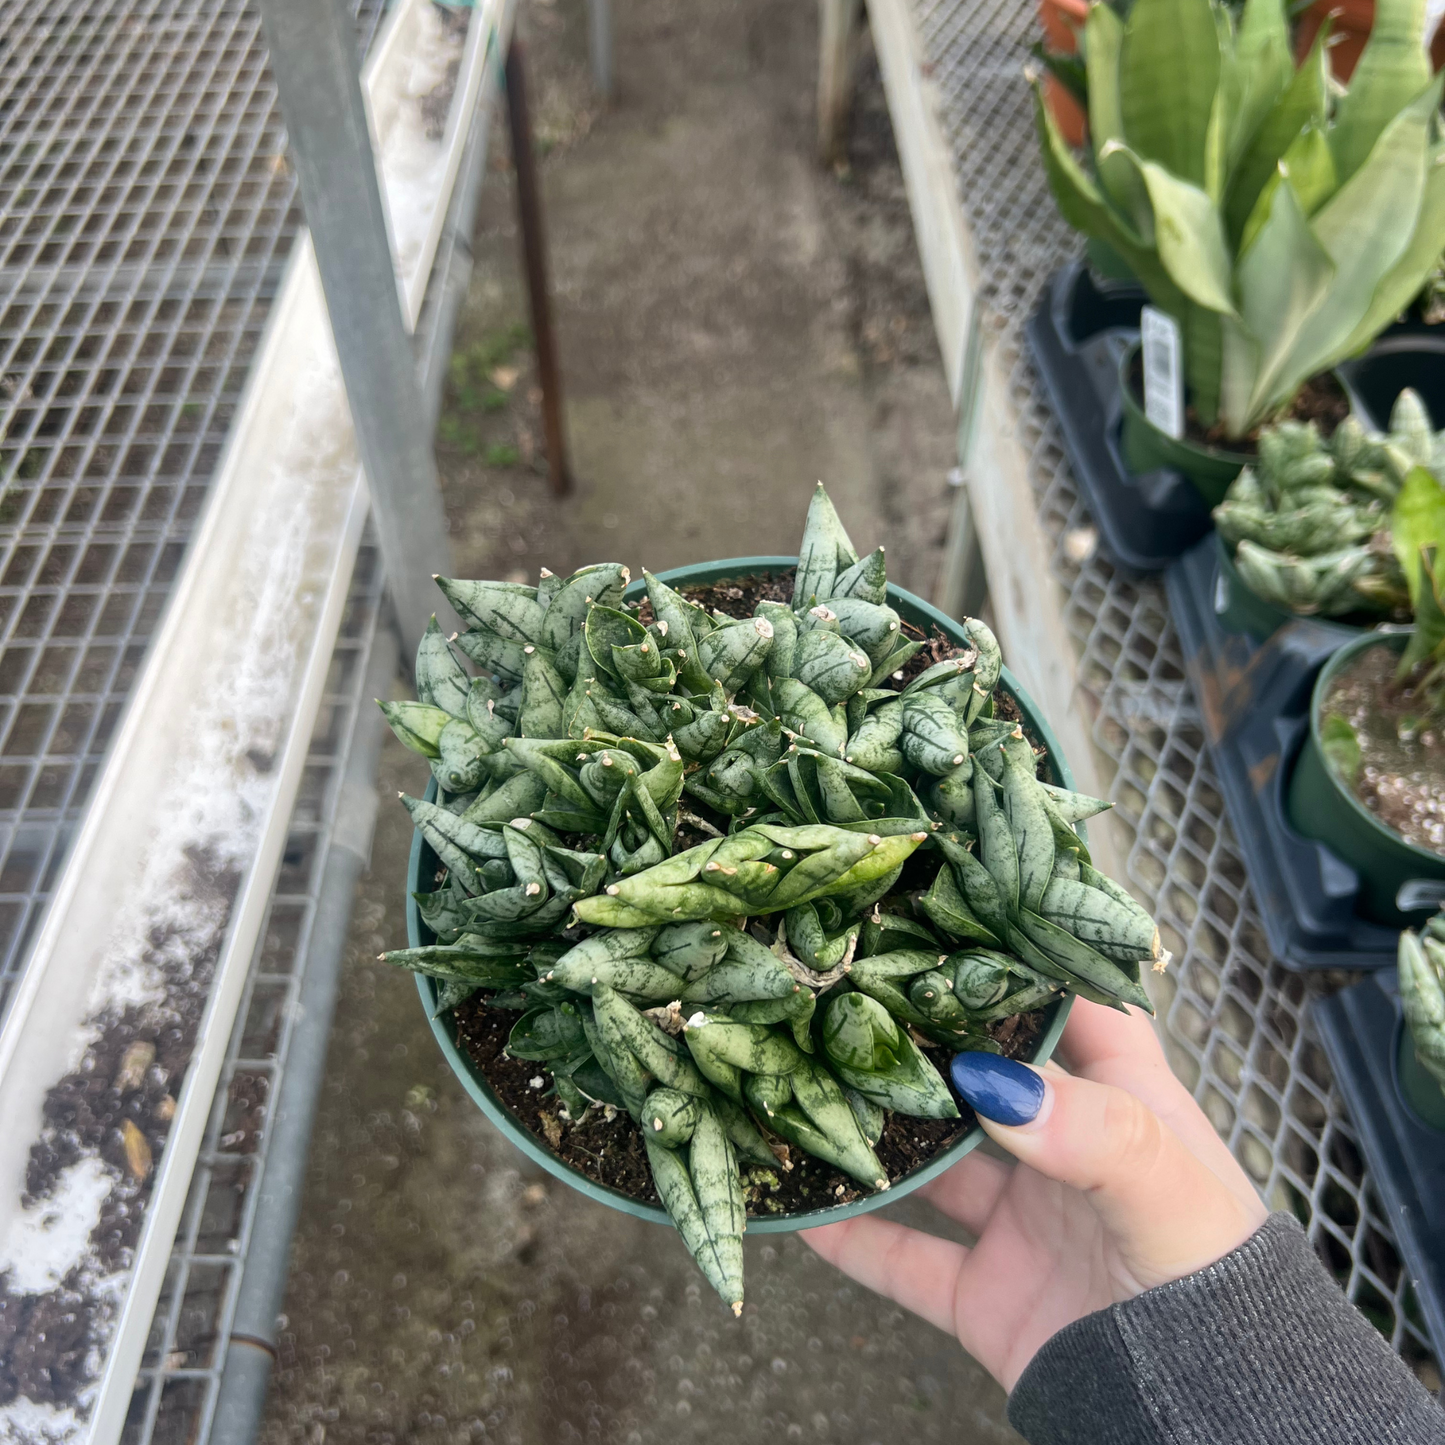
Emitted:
pixel 998 1088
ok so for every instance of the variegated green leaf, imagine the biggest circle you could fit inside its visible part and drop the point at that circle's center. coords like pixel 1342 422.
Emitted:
pixel 1168 75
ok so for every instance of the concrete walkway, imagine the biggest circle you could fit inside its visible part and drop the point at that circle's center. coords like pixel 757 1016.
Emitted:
pixel 734 324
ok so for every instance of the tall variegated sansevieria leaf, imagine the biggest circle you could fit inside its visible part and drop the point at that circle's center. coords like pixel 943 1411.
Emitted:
pixel 1281 223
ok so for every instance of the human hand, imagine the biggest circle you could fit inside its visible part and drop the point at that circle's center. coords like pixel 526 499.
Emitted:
pixel 1122 1184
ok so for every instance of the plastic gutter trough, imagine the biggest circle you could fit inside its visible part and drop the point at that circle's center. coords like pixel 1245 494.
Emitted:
pixel 160 904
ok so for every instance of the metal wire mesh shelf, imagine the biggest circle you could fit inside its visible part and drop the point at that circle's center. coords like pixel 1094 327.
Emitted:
pixel 146 214
pixel 1236 1023
pixel 185 1354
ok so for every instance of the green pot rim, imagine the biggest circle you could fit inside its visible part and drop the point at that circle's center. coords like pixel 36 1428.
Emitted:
pixel 1229 572
pixel 1336 662
pixel 1226 455
pixel 1419 1091
pixel 920 613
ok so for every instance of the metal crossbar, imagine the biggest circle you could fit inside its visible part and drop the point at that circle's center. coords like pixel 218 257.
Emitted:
pixel 146 213
pixel 1236 1023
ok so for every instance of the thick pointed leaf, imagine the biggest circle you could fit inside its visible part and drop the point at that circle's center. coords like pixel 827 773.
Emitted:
pixel 1417 521
pixel 1103 37
pixel 1309 167
pixel 441 681
pixel 1084 207
pixel 1265 68
pixel 1402 282
pixel 1281 279
pixel 1203 358
pixel 825 551
pixel 507 609
pixel 1393 67
pixel 1304 99
pixel 1365 228
pixel 1189 236
pixel 1168 74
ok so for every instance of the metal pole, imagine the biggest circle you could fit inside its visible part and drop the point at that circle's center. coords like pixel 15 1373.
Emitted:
pixel 599 44
pixel 534 262
pixel 314 60
pixel 837 27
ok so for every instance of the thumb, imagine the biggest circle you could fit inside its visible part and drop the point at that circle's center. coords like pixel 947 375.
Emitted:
pixel 1165 1211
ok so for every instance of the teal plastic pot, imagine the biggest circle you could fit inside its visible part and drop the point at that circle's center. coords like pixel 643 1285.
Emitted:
pixel 422 869
pixel 1241 609
pixel 1145 448
pixel 1418 1087
pixel 1322 807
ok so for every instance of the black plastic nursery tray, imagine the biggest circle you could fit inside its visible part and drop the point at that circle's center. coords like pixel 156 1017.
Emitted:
pixel 1254 702
pixel 1408 355
pixel 1078 336
pixel 1360 1028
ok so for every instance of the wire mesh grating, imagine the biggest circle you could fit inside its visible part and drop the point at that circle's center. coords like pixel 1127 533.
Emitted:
pixel 146 214
pixel 185 1352
pixel 1235 1022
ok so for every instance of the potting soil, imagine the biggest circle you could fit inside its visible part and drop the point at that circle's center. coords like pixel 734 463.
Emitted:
pixel 1401 777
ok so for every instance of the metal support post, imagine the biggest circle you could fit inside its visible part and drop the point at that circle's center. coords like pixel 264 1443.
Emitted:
pixel 963 583
pixel 313 57
pixel 534 263
pixel 599 44
pixel 837 25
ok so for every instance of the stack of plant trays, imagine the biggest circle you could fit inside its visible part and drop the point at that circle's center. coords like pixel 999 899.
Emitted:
pixel 1239 1025
pixel 147 262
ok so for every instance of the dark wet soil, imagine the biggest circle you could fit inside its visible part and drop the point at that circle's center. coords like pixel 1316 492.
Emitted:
pixel 1401 777
pixel 118 1105
pixel 1321 400
pixel 609 1151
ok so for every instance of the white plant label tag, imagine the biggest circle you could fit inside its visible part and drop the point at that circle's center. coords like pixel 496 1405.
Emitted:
pixel 1163 374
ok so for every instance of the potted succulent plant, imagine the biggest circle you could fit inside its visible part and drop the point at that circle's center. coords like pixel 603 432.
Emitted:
pixel 1281 226
pixel 1370 780
pixel 1308 529
pixel 717 873
pixel 1421 1057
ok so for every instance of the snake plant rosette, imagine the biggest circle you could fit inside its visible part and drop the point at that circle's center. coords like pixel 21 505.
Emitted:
pixel 1280 220
pixel 1332 529
pixel 728 888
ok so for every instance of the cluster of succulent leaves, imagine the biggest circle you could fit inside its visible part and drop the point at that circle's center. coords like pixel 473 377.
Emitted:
pixel 1422 992
pixel 1283 223
pixel 1335 528
pixel 780 984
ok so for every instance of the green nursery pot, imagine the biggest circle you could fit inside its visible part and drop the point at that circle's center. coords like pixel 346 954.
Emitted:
pixel 1323 807
pixel 423 865
pixel 1418 1087
pixel 1241 609
pixel 1145 448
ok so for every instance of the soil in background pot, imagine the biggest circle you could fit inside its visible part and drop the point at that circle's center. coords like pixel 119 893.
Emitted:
pixel 609 1150
pixel 1321 400
pixel 1379 736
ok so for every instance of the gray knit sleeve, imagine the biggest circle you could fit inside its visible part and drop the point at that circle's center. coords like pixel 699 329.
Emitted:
pixel 1260 1347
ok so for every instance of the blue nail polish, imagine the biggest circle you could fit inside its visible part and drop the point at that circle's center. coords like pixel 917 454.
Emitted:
pixel 998 1088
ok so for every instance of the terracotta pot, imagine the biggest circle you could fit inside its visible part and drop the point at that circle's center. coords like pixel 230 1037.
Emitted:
pixel 1352 22
pixel 1061 19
